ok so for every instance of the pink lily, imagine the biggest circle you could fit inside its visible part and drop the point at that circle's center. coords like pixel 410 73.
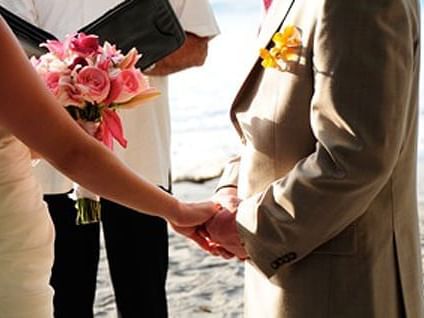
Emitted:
pixel 146 95
pixel 116 86
pixel 112 128
pixel 56 47
pixel 130 59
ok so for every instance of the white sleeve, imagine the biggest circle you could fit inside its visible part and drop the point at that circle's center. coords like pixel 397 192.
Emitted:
pixel 25 9
pixel 196 16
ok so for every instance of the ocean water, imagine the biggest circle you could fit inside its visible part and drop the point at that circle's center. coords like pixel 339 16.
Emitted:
pixel 203 137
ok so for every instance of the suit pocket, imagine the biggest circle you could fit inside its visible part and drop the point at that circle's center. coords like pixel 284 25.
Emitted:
pixel 344 243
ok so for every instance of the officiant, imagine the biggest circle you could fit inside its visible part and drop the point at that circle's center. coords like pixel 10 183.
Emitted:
pixel 137 245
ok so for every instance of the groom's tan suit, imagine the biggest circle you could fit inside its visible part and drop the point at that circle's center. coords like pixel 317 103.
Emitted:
pixel 327 170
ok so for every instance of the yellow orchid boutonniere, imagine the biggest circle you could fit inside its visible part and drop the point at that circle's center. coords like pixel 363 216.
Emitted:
pixel 287 49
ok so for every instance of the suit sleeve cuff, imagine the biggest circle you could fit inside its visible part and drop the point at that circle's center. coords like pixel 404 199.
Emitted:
pixel 230 174
pixel 260 256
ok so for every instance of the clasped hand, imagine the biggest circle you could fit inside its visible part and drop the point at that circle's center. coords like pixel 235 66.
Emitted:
pixel 218 235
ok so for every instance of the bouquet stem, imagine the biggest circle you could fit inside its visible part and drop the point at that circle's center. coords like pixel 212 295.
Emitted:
pixel 88 211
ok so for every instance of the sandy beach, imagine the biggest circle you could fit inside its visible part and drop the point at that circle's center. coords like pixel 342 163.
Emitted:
pixel 199 285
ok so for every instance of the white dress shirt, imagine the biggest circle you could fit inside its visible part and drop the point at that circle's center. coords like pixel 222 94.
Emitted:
pixel 148 127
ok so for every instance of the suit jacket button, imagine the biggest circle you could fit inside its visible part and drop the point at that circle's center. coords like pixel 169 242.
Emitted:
pixel 286 258
pixel 275 264
pixel 292 256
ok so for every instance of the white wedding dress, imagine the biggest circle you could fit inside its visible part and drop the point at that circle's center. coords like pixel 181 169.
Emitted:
pixel 26 236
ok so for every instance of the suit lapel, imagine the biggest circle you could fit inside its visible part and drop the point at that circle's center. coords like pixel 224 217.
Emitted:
pixel 277 13
pixel 276 16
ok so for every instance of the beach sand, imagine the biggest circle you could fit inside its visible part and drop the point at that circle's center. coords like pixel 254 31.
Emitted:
pixel 199 285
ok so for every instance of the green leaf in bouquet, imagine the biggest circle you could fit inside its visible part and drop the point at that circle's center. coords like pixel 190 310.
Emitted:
pixel 88 211
pixel 73 111
pixel 91 112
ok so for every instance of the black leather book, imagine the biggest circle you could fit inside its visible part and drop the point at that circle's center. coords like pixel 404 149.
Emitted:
pixel 28 34
pixel 148 25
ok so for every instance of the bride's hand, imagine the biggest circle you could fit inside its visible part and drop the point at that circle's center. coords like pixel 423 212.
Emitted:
pixel 191 218
pixel 191 214
pixel 191 225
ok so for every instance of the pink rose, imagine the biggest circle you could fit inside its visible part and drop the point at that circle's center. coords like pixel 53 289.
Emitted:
pixel 69 94
pixel 94 84
pixel 61 87
pixel 133 83
pixel 84 45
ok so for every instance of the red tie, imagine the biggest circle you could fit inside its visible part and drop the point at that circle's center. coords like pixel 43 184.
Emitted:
pixel 267 3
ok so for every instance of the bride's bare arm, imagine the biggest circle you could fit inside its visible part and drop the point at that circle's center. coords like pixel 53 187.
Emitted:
pixel 29 111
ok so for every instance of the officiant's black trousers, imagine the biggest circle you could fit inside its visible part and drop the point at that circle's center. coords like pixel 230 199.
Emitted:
pixel 137 250
pixel 74 272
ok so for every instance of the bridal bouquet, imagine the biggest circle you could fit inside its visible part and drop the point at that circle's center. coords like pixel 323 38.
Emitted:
pixel 93 82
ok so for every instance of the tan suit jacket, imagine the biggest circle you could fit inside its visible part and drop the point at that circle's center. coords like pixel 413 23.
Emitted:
pixel 328 167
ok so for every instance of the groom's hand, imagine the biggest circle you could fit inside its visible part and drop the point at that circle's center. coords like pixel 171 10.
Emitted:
pixel 227 197
pixel 227 200
pixel 193 234
pixel 222 230
pixel 200 236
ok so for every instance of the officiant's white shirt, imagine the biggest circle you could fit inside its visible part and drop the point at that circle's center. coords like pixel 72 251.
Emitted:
pixel 148 127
